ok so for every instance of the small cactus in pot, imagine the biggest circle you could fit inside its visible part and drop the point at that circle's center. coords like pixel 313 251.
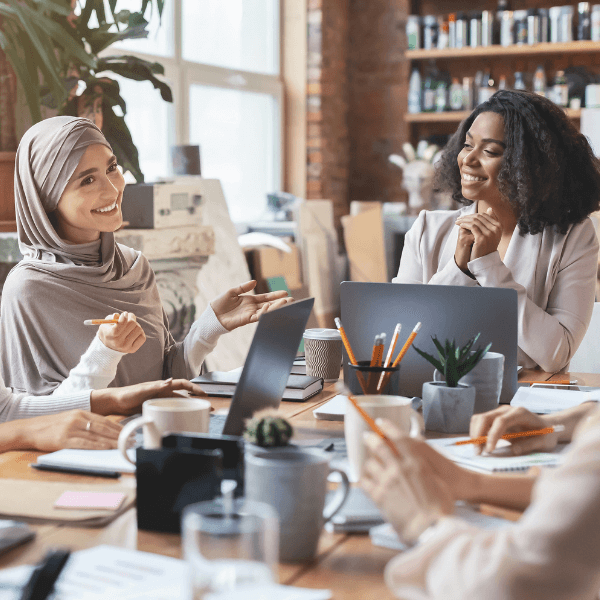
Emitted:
pixel 268 429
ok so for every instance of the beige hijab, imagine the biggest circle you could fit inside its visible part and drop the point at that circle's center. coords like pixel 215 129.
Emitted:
pixel 57 286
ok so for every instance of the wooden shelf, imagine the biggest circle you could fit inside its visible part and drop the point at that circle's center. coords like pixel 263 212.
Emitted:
pixel 458 116
pixel 514 50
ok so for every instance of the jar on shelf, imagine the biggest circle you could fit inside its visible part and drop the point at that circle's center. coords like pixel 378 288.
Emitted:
pixel 595 21
pixel 584 22
pixel 430 26
pixel 413 32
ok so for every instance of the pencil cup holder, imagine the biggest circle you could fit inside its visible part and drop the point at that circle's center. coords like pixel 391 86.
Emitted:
pixel 365 379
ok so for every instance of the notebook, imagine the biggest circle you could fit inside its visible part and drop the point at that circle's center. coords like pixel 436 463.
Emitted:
pixel 106 459
pixel 299 367
pixel 223 383
pixel 499 461
pixel 334 410
pixel 544 401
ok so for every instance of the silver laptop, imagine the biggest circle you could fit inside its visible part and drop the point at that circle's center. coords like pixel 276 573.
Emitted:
pixel 268 365
pixel 445 311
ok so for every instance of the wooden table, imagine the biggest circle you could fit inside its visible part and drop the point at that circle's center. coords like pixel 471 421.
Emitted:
pixel 349 565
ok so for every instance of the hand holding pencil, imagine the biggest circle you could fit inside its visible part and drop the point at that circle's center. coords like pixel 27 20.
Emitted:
pixel 122 333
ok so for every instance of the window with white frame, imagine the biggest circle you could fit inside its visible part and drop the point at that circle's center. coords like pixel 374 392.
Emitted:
pixel 222 62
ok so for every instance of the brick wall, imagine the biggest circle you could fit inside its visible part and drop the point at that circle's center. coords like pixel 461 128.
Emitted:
pixel 356 98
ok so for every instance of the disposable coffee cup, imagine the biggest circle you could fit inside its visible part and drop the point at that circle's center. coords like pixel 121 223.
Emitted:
pixel 323 353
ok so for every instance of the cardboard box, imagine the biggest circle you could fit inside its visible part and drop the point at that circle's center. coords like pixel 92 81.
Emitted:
pixel 270 262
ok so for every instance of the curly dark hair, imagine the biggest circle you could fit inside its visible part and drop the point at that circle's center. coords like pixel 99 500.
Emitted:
pixel 549 173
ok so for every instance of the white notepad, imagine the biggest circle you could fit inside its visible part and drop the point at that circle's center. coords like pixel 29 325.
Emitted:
pixel 334 410
pixel 500 460
pixel 104 459
pixel 544 401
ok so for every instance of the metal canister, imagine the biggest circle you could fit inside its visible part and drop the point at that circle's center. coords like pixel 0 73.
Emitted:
pixel 487 27
pixel 533 27
pixel 475 30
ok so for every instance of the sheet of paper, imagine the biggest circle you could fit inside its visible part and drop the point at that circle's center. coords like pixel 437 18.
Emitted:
pixel 334 410
pixel 545 401
pixel 105 459
pixel 499 460
pixel 90 500
pixel 270 592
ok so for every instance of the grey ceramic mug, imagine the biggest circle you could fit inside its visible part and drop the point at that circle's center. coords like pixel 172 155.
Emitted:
pixel 294 483
pixel 486 378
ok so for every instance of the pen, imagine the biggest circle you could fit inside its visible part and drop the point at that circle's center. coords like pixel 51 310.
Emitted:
pixel 44 576
pixel 94 471
pixel 100 321
pixel 554 382
pixel 510 436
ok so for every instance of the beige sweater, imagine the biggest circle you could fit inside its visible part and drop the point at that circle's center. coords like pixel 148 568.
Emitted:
pixel 554 275
pixel 552 553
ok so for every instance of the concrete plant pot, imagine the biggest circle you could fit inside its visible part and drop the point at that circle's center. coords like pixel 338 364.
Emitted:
pixel 448 409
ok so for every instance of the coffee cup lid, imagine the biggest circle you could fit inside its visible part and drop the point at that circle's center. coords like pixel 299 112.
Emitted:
pixel 322 334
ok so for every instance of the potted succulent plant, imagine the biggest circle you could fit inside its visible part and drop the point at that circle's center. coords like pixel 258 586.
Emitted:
pixel 448 405
pixel 268 429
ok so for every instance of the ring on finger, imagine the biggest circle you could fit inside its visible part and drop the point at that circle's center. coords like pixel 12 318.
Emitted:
pixel 88 426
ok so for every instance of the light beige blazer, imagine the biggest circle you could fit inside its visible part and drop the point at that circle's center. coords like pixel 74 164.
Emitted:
pixel 554 275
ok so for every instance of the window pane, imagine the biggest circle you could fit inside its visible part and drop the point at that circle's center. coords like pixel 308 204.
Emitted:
pixel 236 34
pixel 160 40
pixel 150 120
pixel 238 134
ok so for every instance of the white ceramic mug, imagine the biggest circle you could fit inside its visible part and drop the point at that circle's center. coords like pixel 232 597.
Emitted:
pixel 166 415
pixel 396 409
pixel 486 378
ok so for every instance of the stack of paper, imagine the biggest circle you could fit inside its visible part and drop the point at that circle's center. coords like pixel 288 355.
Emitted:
pixel 500 460
pixel 544 401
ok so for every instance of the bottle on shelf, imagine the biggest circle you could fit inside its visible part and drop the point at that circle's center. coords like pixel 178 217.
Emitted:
pixel 475 29
pixel 595 20
pixel 543 14
pixel 428 98
pixel 533 27
pixel 441 94
pixel 566 24
pixel 502 6
pixel 443 36
pixel 487 27
pixel 456 95
pixel 584 23
pixel 414 92
pixel 519 81
pixel 539 81
pixel 468 93
pixel 452 30
pixel 462 30
pixel 555 13
pixel 430 32
pixel 520 27
pixel 560 89
pixel 507 37
pixel 502 82
pixel 486 89
pixel 413 32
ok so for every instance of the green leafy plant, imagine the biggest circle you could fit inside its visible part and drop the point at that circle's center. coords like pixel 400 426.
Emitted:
pixel 268 429
pixel 453 361
pixel 54 53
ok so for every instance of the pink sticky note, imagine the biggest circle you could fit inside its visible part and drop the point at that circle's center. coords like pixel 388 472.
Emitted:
pixel 90 500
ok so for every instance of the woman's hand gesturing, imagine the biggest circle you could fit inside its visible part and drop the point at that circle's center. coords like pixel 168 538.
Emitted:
pixel 235 307
pixel 486 231
pixel 125 336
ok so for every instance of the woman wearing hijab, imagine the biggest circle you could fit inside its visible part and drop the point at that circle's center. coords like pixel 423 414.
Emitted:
pixel 529 180
pixel 68 193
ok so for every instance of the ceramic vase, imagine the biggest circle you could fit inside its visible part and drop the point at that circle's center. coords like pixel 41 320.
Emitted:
pixel 448 409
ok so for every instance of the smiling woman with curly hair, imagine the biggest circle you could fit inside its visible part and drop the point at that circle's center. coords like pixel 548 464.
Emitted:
pixel 529 181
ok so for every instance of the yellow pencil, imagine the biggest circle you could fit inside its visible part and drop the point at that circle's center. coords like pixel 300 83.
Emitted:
pixel 376 358
pixel 100 321
pixel 509 436
pixel 359 375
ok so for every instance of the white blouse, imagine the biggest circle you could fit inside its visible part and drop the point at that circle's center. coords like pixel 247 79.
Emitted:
pixel 554 275
pixel 551 553
pixel 96 370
